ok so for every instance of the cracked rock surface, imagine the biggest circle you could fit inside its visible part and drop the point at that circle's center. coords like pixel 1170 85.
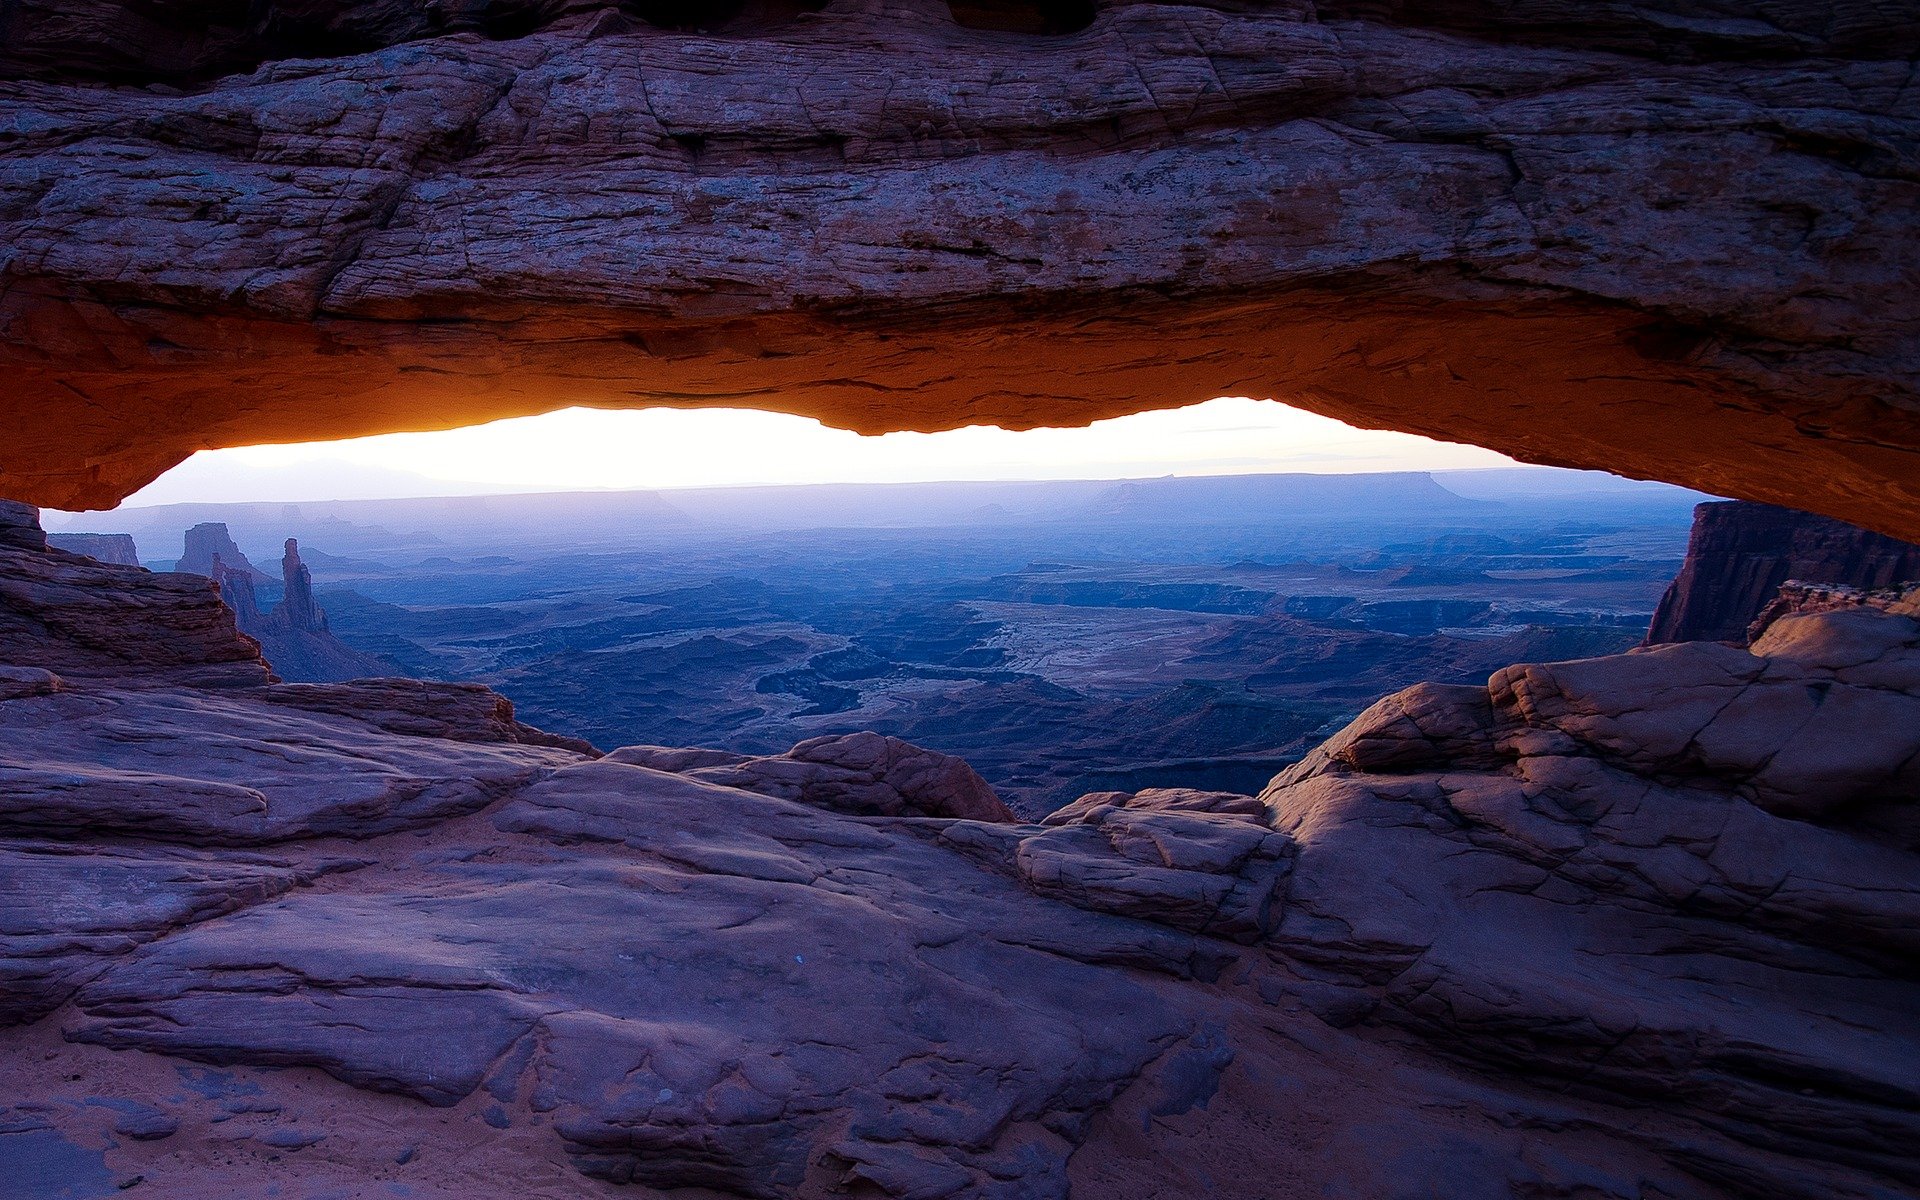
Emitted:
pixel 1670 238
pixel 1686 875
pixel 1563 936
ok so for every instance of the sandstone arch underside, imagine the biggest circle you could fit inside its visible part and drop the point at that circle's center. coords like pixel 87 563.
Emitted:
pixel 1673 239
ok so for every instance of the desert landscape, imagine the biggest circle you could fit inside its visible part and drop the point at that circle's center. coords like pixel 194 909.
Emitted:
pixel 849 967
pixel 1061 638
pixel 1257 825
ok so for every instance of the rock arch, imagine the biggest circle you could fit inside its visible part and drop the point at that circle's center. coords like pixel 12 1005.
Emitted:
pixel 1659 240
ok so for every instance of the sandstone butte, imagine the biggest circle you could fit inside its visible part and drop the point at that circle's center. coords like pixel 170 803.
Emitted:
pixel 1668 238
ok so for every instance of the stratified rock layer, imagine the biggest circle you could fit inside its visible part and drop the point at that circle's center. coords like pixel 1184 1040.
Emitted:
pixel 115 548
pixel 1687 875
pixel 1621 927
pixel 1739 556
pixel 294 637
pixel 210 550
pixel 1672 239
pixel 861 773
pixel 74 615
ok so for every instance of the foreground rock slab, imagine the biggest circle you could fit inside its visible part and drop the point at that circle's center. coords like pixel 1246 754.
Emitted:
pixel 1565 935
pixel 1686 875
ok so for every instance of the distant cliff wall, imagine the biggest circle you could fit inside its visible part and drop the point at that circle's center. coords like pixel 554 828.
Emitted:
pixel 115 548
pixel 1740 554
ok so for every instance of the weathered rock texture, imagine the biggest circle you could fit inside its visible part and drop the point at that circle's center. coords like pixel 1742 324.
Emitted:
pixel 1672 239
pixel 1623 927
pixel 1626 872
pixel 115 548
pixel 74 615
pixel 1740 554
pixel 1806 598
pixel 862 773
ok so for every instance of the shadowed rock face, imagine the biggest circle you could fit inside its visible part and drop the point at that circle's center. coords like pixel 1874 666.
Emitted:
pixel 69 613
pixel 1739 555
pixel 1668 239
pixel 116 548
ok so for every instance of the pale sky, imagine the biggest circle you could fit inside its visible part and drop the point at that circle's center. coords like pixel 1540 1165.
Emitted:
pixel 580 449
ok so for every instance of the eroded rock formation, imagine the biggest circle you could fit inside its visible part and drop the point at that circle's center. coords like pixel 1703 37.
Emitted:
pixel 1740 555
pixel 115 548
pixel 210 543
pixel 79 617
pixel 293 636
pixel 861 773
pixel 1621 927
pixel 1670 239
pixel 297 608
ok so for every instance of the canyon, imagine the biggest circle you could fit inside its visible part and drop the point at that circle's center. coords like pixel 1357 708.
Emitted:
pixel 1622 926
pixel 1602 920
pixel 1062 637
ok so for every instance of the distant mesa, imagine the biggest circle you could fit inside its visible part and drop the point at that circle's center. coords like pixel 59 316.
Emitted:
pixel 209 542
pixel 114 548
pixel 1741 554
pixel 1299 496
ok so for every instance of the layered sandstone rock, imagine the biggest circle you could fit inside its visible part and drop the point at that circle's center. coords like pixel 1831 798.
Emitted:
pixel 1739 556
pixel 76 616
pixel 210 545
pixel 1649 874
pixel 1669 239
pixel 115 548
pixel 1806 598
pixel 1577 933
pixel 460 712
pixel 863 773
pixel 20 527
pixel 1158 800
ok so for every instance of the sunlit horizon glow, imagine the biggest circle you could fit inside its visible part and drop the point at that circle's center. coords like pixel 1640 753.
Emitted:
pixel 579 449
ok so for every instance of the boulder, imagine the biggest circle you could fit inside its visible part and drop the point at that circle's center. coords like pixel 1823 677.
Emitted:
pixel 862 773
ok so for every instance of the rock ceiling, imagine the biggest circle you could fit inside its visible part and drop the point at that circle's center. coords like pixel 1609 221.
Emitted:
pixel 1671 239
